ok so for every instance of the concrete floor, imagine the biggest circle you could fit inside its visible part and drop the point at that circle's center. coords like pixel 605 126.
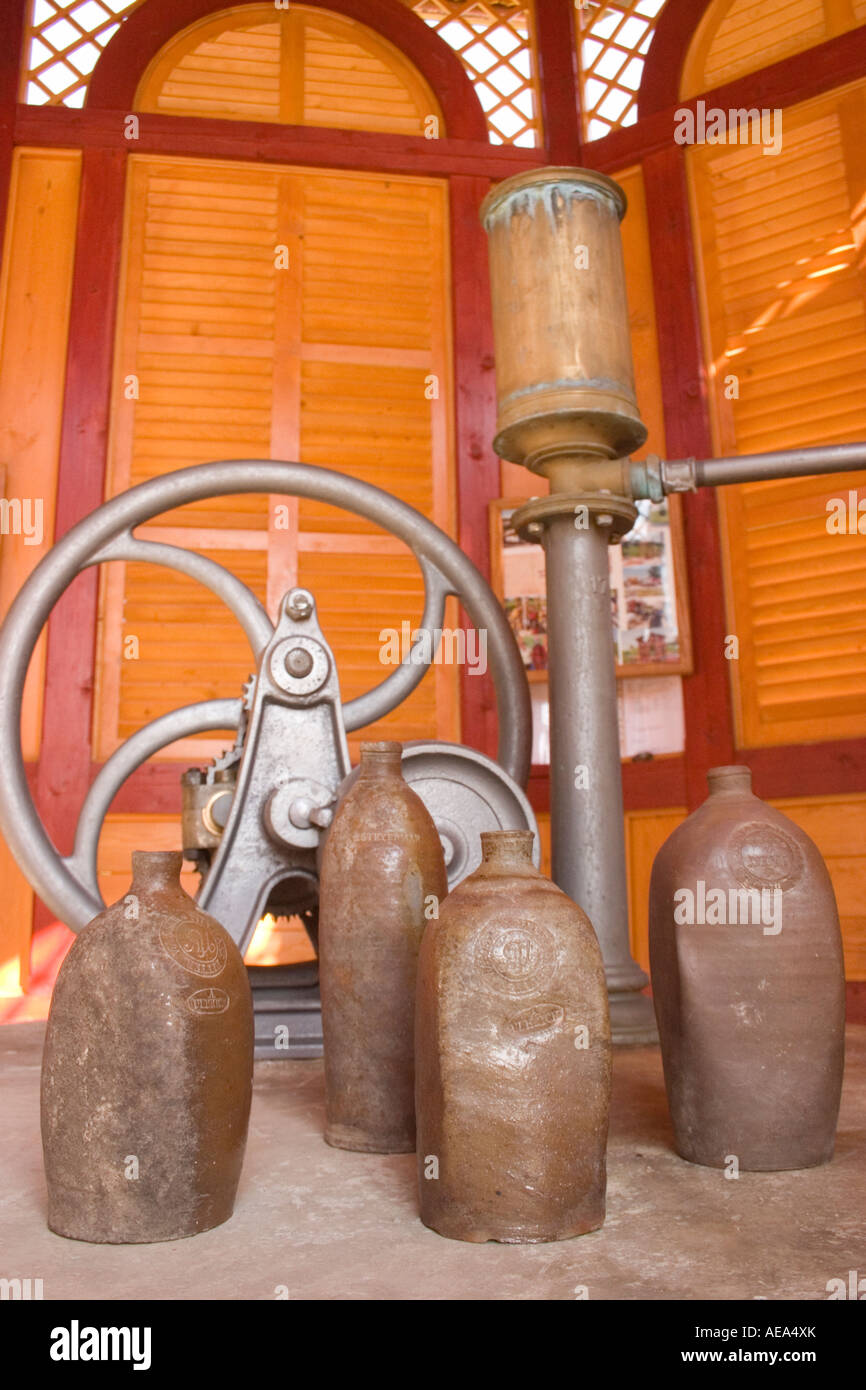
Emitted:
pixel 328 1224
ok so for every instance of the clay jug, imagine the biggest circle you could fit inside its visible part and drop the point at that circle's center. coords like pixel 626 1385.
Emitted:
pixel 147 1069
pixel 748 984
pixel 382 868
pixel 513 1057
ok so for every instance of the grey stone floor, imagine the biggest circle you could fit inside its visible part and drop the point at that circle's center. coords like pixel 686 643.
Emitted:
pixel 322 1223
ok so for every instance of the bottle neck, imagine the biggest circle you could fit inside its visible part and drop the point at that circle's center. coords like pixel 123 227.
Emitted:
pixel 156 870
pixel 730 781
pixel 507 851
pixel 383 759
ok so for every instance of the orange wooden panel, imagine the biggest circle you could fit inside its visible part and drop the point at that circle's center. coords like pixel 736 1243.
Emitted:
pixel 35 291
pixel 194 370
pixel 785 328
pixel 642 314
pixel 836 824
pixel 371 422
pixel 645 833
pixel 34 317
pixel 543 819
pixel 355 80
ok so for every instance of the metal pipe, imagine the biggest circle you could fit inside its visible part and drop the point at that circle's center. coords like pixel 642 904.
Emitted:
pixel 587 825
pixel 567 409
pixel 784 463
pixel 653 477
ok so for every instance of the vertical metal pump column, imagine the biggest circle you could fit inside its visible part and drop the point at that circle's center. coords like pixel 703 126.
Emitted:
pixel 567 411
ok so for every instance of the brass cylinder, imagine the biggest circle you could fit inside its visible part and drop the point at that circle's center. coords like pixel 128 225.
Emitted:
pixel 564 372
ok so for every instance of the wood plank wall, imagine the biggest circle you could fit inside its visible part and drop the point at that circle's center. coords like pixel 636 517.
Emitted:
pixel 35 291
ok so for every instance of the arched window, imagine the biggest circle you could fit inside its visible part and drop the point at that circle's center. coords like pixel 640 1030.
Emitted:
pixel 494 40
pixel 303 66
pixel 736 37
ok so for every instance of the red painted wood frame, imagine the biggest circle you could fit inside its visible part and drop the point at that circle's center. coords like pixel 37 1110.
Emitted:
pixel 706 693
pixel 12 25
pixel 470 163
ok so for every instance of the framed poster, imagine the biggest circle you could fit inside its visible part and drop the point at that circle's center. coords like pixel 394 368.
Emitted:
pixel 650 629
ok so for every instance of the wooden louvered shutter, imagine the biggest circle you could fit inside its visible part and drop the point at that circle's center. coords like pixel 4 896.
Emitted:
pixel 233 353
pixel 299 65
pixel 736 37
pixel 786 337
pixel 374 380
pixel 193 382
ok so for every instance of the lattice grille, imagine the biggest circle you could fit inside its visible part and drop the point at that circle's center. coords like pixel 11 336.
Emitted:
pixel 612 44
pixel 64 41
pixel 495 43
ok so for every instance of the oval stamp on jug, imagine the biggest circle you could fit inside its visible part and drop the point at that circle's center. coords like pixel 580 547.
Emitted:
pixel 206 1002
pixel 195 947
pixel 763 856
pixel 538 1018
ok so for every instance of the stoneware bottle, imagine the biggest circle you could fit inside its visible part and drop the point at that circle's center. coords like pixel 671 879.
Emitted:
pixel 382 869
pixel 147 1069
pixel 748 984
pixel 513 1057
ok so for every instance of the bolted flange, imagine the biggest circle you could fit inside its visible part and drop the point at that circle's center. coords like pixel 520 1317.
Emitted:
pixel 616 515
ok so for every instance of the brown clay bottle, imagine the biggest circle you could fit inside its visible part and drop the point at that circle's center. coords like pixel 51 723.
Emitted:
pixel 382 868
pixel 147 1069
pixel 748 984
pixel 513 1057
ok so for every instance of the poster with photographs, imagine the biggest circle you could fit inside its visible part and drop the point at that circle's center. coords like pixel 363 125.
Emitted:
pixel 649 624
pixel 647 629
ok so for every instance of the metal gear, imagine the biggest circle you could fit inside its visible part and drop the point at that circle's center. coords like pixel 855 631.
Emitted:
pixel 249 692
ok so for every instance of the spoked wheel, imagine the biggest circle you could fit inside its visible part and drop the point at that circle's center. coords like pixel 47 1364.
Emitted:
pixel 68 885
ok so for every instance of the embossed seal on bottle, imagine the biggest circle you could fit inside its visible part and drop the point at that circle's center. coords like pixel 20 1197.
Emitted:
pixel 764 856
pixel 538 1018
pixel 517 959
pixel 208 1001
pixel 195 947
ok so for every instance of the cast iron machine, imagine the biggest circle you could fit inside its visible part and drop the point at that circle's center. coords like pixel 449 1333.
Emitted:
pixel 253 820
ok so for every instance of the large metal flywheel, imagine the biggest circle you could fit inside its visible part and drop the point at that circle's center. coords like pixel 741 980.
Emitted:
pixel 277 806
